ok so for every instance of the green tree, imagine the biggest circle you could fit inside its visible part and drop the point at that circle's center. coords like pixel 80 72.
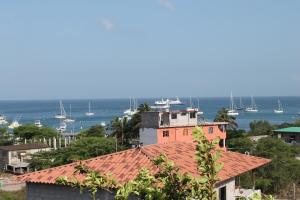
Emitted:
pixel 5 138
pixel 93 131
pixel 81 149
pixel 241 144
pixel 30 131
pixel 284 168
pixel 260 127
pixel 222 116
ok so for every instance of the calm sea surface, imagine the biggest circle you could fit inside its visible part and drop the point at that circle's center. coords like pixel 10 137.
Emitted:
pixel 106 109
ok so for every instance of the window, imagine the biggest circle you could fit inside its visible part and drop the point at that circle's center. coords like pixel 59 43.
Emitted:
pixel 185 132
pixel 222 193
pixel 221 143
pixel 165 133
pixel 174 115
pixel 193 115
pixel 211 130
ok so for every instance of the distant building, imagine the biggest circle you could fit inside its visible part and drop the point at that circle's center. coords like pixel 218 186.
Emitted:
pixel 125 165
pixel 289 135
pixel 162 127
pixel 14 158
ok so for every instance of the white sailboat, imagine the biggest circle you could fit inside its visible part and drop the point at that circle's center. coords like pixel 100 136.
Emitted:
pixel 231 111
pixel 15 123
pixel 62 114
pixel 199 112
pixel 252 107
pixel 62 127
pixel 38 123
pixel 3 120
pixel 279 108
pixel 89 113
pixel 132 108
pixel 69 119
pixel 241 106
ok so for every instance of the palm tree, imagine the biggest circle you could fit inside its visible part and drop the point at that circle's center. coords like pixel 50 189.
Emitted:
pixel 222 116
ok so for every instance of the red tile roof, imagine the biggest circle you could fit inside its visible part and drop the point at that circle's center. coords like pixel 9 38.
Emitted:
pixel 125 165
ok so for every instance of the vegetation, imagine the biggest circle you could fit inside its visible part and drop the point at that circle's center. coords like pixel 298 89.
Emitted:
pixel 167 183
pixel 86 147
pixel 15 195
pixel 30 131
pixel 5 139
pixel 93 131
pixel 222 116
pixel 260 127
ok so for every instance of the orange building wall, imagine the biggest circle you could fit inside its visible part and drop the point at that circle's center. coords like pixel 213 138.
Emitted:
pixel 185 134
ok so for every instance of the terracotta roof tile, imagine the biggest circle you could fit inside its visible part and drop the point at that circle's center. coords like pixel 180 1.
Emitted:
pixel 125 165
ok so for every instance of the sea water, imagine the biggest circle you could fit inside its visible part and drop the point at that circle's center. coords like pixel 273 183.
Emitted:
pixel 106 109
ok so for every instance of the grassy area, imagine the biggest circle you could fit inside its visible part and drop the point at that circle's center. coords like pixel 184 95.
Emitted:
pixel 16 195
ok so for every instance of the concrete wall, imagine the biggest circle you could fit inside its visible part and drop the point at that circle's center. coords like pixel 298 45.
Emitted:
pixel 148 136
pixel 150 120
pixel 230 188
pixel 183 119
pixel 51 192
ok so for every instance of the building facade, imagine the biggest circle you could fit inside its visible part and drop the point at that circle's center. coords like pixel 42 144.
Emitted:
pixel 13 158
pixel 290 135
pixel 163 127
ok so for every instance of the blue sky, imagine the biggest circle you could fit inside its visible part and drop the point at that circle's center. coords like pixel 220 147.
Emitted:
pixel 149 48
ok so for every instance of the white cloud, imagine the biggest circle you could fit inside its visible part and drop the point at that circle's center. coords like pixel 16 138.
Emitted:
pixel 106 24
pixel 168 4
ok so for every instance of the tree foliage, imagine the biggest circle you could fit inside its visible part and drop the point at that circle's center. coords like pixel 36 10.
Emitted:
pixel 222 116
pixel 5 138
pixel 93 131
pixel 284 168
pixel 260 127
pixel 30 131
pixel 84 148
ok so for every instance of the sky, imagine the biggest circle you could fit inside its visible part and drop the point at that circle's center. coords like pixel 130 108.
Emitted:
pixel 148 48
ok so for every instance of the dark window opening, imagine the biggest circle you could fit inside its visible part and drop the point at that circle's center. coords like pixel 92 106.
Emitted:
pixel 211 130
pixel 174 115
pixel 221 143
pixel 183 114
pixel 165 133
pixel 192 115
pixel 222 193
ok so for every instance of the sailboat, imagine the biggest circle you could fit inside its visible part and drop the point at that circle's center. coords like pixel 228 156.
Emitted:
pixel 15 123
pixel 241 106
pixel 69 119
pixel 3 120
pixel 132 108
pixel 89 113
pixel 231 111
pixel 38 123
pixel 62 114
pixel 62 127
pixel 199 112
pixel 279 108
pixel 252 107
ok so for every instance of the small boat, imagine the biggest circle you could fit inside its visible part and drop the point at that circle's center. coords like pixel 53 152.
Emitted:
pixel 89 113
pixel 252 108
pixel 62 114
pixel 103 124
pixel 69 119
pixel 279 109
pixel 231 111
pixel 62 127
pixel 15 124
pixel 241 106
pixel 3 120
pixel 38 123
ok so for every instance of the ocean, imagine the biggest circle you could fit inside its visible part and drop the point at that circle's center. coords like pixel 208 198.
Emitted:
pixel 106 109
